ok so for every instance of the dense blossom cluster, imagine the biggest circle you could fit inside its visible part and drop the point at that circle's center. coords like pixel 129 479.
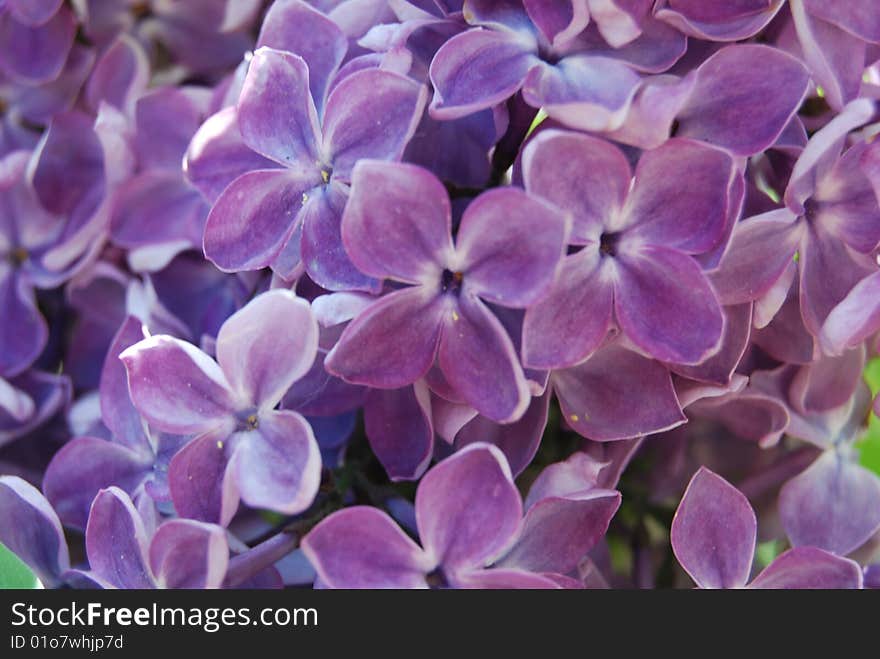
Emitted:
pixel 432 293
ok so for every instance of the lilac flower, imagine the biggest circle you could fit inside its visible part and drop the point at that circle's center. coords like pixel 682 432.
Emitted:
pixel 156 212
pixel 135 459
pixel 577 75
pixel 243 448
pixel 469 515
pixel 294 212
pixel 713 537
pixel 831 222
pixel 636 267
pixel 32 530
pixel 124 551
pixel 397 225
pixel 35 38
pixel 718 20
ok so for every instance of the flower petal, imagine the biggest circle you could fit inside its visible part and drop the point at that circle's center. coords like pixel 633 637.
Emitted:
pixel 276 114
pixel 558 532
pixel 392 343
pixel 566 326
pixel 713 532
pixel 478 69
pixel 468 509
pixel 362 547
pixel 255 216
pixel 733 108
pixel 665 305
pixel 189 554
pixel 117 542
pixel 267 346
pixel 398 425
pixel 397 222
pixel 810 568
pixel 479 360
pixel 176 387
pixel 298 28
pixel 833 505
pixel 586 176
pixel 23 331
pixel 371 114
pixel 86 465
pixel 617 394
pixel 202 487
pixel 680 195
pixel 278 465
pixel 31 530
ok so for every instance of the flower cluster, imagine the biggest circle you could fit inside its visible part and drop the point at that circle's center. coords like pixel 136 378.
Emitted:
pixel 438 293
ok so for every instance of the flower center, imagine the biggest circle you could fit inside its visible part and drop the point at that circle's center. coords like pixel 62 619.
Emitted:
pixel 437 579
pixel 18 256
pixel 450 281
pixel 608 243
pixel 326 173
pixel 811 210
pixel 141 9
pixel 248 421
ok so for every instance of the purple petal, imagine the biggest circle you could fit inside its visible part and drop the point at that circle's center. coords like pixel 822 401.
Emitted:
pixel 217 155
pixel 255 217
pixel 370 114
pixel 478 69
pixel 33 12
pixel 665 305
pixel 392 343
pixel 719 21
pixel 617 394
pixel 859 17
pixel 833 505
pixel 166 119
pixel 503 578
pixel 586 176
pixel 558 532
pixel 479 360
pixel 518 441
pixel 23 331
pixel 362 547
pixel 809 568
pixel 558 21
pixel 582 91
pixel 827 382
pixel 855 319
pixel 468 509
pixel 719 368
pixel 116 541
pixel 86 465
pixel 119 76
pixel 158 207
pixel 31 530
pixel 737 110
pixel 680 195
pixel 188 554
pixel 276 114
pixel 176 387
pixel 760 251
pixel 397 222
pixel 573 319
pixel 510 245
pixel 35 54
pixel 278 465
pixel 398 425
pixel 267 346
pixel 201 486
pixel 829 270
pixel 323 251
pixel 713 532
pixel 296 27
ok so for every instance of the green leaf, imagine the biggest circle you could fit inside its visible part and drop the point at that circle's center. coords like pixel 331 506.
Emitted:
pixel 869 444
pixel 14 573
pixel 766 552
